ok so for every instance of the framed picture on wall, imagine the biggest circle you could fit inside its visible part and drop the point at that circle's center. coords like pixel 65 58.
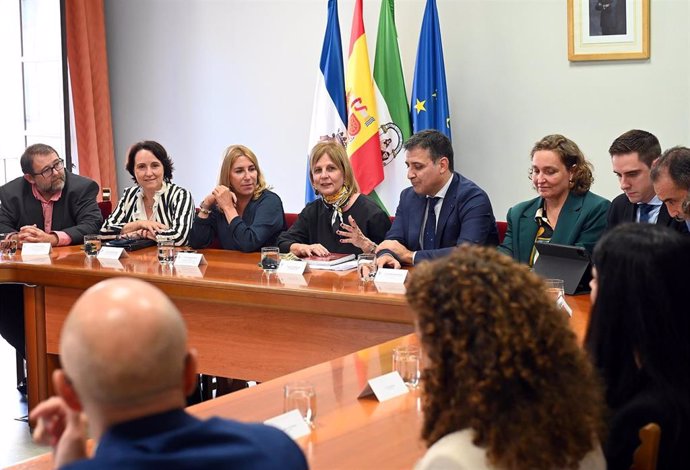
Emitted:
pixel 608 29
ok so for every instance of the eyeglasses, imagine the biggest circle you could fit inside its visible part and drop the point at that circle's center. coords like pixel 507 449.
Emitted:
pixel 48 172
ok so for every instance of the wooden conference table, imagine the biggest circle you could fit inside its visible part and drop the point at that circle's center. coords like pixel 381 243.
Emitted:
pixel 244 323
pixel 349 433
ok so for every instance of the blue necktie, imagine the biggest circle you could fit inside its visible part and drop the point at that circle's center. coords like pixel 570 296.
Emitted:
pixel 430 226
pixel 645 210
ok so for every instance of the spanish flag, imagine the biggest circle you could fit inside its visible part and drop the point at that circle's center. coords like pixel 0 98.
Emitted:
pixel 363 144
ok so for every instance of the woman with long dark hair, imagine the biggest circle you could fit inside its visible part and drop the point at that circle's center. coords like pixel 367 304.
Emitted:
pixel 639 339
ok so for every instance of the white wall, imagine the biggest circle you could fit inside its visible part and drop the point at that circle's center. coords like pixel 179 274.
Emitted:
pixel 200 75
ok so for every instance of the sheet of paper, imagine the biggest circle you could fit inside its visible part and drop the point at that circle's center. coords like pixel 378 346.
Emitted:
pixel 291 267
pixel 385 387
pixel 35 249
pixel 189 259
pixel 392 276
pixel 346 266
pixel 111 263
pixel 291 423
pixel 111 253
pixel 188 271
pixel 36 259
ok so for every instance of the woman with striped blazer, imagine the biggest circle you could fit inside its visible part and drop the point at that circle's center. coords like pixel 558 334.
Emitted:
pixel 155 206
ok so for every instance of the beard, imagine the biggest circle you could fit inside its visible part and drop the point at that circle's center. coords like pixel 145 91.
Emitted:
pixel 55 185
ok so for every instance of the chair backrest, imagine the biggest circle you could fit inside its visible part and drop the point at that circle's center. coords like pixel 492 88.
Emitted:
pixel 290 219
pixel 501 227
pixel 646 454
pixel 106 205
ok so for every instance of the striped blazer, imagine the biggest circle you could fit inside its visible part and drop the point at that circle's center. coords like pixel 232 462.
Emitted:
pixel 172 206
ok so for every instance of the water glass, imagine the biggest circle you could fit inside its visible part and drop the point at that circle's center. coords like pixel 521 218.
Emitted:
pixel 92 245
pixel 166 250
pixel 554 288
pixel 8 246
pixel 406 360
pixel 301 396
pixel 270 258
pixel 366 267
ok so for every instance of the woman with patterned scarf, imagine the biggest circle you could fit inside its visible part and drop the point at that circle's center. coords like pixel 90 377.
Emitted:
pixel 343 220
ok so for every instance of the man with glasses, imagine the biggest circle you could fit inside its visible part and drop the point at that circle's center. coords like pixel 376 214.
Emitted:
pixel 671 178
pixel 47 205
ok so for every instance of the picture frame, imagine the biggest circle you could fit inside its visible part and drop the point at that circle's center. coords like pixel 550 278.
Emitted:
pixel 608 30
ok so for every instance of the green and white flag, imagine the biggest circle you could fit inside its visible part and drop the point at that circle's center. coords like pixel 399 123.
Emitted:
pixel 393 110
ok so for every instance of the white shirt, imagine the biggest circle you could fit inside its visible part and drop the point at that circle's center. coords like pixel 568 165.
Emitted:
pixel 654 213
pixel 441 194
pixel 456 451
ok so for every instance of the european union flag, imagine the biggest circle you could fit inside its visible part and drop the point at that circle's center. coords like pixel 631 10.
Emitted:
pixel 429 107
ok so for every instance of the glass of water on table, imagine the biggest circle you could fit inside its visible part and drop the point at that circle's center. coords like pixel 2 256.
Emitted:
pixel 92 245
pixel 166 249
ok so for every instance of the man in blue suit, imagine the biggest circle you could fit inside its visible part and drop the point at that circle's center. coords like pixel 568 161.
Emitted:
pixel 127 370
pixel 440 211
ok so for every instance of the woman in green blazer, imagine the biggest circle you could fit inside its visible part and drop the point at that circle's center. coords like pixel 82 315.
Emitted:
pixel 565 212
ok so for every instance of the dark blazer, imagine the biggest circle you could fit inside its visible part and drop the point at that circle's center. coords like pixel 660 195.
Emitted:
pixel 75 213
pixel 622 210
pixel 176 440
pixel 261 223
pixel 466 217
pixel 581 222
pixel 650 405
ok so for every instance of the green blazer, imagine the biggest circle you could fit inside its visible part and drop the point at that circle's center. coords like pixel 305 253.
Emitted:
pixel 581 222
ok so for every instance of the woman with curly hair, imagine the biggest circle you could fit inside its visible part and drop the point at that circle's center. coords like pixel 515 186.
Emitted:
pixel 506 385
pixel 565 211
pixel 638 339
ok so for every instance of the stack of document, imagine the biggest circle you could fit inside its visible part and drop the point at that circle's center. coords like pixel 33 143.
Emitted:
pixel 332 262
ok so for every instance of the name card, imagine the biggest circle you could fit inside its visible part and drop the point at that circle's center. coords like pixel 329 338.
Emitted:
pixel 291 423
pixel 385 387
pixel 391 276
pixel 35 249
pixel 292 280
pixel 111 252
pixel 111 263
pixel 37 259
pixel 287 266
pixel 185 258
pixel 188 271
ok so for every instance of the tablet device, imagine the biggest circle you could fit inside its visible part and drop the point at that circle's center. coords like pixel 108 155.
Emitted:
pixel 570 263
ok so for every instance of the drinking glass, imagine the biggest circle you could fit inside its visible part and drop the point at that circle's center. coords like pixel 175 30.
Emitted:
pixel 554 288
pixel 406 360
pixel 366 267
pixel 270 258
pixel 301 396
pixel 166 250
pixel 8 246
pixel 92 245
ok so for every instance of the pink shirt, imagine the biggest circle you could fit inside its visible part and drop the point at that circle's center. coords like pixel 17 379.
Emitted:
pixel 47 206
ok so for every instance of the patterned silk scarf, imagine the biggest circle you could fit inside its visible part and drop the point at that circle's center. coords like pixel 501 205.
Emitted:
pixel 336 203
pixel 544 231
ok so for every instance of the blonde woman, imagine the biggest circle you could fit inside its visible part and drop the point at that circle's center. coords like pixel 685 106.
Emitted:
pixel 241 212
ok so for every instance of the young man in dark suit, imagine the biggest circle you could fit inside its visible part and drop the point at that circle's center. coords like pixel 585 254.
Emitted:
pixel 632 157
pixel 459 210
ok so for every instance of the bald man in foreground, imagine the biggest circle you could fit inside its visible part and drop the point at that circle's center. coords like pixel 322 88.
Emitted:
pixel 126 371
